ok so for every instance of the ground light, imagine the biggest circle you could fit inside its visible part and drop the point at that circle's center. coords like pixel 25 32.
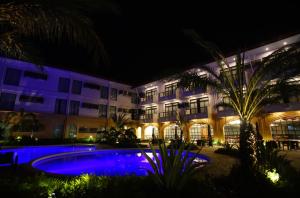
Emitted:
pixel 273 175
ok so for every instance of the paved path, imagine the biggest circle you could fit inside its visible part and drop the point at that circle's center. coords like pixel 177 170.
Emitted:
pixel 220 165
pixel 294 157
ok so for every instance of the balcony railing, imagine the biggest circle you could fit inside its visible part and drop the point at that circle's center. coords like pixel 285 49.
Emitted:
pixel 167 116
pixel 147 118
pixel 196 113
pixel 189 92
pixel 167 95
pixel 149 99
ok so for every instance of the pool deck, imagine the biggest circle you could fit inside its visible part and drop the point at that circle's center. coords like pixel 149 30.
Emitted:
pixel 294 157
pixel 220 165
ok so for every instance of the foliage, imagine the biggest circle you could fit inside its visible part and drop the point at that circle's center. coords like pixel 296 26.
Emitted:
pixel 269 159
pixel 229 149
pixel 127 139
pixel 175 144
pixel 119 138
pixel 171 169
pixel 120 121
pixel 54 21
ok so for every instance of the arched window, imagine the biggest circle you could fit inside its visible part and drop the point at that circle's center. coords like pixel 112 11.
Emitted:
pixel 150 131
pixel 232 132
pixel 139 133
pixel 170 131
pixel 286 129
pixel 200 132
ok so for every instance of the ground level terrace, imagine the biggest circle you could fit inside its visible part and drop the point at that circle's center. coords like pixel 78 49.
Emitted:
pixel 273 126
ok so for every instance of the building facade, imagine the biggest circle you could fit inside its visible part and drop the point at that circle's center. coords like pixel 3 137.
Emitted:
pixel 74 105
pixel 162 102
pixel 68 104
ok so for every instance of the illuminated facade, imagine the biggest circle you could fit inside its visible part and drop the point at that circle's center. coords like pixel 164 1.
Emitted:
pixel 71 104
pixel 161 99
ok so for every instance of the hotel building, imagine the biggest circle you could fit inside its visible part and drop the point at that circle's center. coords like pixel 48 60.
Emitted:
pixel 71 104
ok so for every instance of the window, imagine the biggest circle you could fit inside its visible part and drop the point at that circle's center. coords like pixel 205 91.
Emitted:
pixel 63 85
pixel 32 99
pixel 113 94
pixel 104 92
pixel 171 131
pixel 35 75
pixel 200 131
pixel 89 105
pixel 76 87
pixel 171 107
pixel 61 106
pixel 91 86
pixel 12 76
pixel 170 88
pixel 151 110
pixel 198 105
pixel 150 94
pixel 286 129
pixel 112 111
pixel 135 114
pixel 102 111
pixel 232 133
pixel 7 101
pixel 74 107
pixel 134 98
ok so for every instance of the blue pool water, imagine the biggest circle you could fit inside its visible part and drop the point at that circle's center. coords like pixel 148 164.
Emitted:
pixel 105 162
pixel 29 153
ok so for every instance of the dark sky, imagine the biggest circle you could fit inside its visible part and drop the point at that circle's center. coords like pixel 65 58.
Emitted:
pixel 146 41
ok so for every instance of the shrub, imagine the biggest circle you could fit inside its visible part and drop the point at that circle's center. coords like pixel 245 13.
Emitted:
pixel 171 169
pixel 228 149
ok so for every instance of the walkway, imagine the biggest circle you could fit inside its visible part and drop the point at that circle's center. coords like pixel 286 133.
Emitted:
pixel 220 165
pixel 294 157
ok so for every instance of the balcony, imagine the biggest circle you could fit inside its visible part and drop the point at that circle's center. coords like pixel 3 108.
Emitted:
pixel 188 92
pixel 196 113
pixel 282 107
pixel 149 99
pixel 149 118
pixel 225 111
pixel 167 116
pixel 167 95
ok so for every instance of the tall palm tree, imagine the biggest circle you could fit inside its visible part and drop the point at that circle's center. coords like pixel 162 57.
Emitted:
pixel 247 98
pixel 53 21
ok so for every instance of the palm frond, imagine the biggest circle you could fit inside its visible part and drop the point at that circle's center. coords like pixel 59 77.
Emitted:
pixel 47 21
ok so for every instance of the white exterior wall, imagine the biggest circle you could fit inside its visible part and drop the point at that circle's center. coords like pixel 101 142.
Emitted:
pixel 48 89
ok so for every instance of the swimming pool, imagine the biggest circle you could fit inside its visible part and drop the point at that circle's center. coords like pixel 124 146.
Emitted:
pixel 29 153
pixel 103 162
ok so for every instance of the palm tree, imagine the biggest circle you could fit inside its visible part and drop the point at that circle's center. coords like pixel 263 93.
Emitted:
pixel 120 121
pixel 246 97
pixel 53 21
pixel 24 121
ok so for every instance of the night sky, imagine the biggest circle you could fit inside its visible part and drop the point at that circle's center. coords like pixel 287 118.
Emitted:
pixel 145 41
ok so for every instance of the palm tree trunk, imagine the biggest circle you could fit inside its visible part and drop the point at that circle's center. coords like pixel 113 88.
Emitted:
pixel 209 135
pixel 248 155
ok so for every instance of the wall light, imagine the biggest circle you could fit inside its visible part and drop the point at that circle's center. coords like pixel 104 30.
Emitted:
pixel 284 43
pixel 267 49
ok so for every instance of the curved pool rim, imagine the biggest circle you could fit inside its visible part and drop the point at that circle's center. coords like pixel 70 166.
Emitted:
pixel 18 149
pixel 78 153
